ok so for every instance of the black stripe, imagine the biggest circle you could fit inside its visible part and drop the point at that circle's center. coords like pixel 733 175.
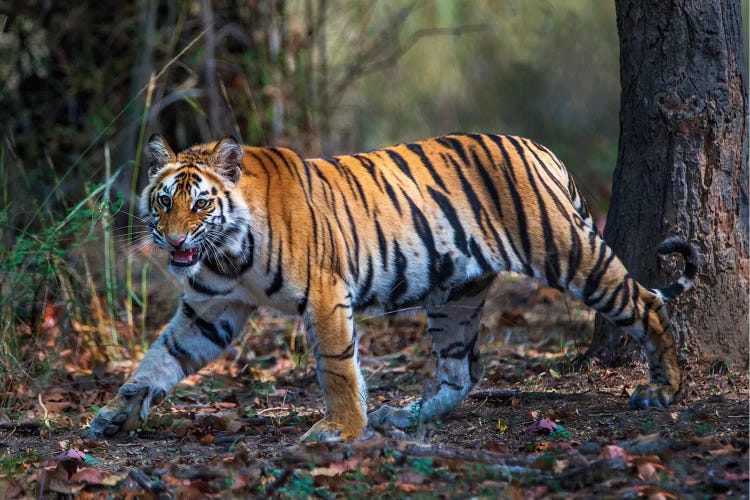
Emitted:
pixel 595 276
pixel 454 350
pixel 278 279
pixel 206 328
pixel 361 191
pixel 205 290
pixel 369 166
pixel 347 353
pixel 400 285
pixel 551 263
pixel 489 185
pixel 392 195
pixel 459 235
pixel 401 163
pixel 479 139
pixel 302 302
pixel 226 327
pixel 455 144
pixel 574 255
pixel 382 245
pixel 353 258
pixel 510 179
pixel 417 150
pixel 330 372
pixel 477 254
pixel 422 227
pixel 364 289
pixel 455 387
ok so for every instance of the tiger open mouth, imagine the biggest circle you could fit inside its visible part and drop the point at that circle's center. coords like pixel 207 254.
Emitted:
pixel 184 258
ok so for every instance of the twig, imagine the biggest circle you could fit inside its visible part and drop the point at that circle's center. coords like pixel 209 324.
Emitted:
pixel 46 413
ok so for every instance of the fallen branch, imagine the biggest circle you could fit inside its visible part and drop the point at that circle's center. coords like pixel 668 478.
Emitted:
pixel 26 425
pixel 495 394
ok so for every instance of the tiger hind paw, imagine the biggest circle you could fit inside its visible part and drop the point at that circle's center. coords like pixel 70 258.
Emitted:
pixel 652 396
pixel 387 417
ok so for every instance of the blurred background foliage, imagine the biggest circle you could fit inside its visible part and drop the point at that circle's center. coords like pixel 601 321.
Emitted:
pixel 321 76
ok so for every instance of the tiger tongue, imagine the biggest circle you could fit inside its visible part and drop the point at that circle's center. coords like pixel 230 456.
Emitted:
pixel 184 256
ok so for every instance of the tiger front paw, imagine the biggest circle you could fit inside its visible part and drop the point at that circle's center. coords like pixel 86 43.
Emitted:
pixel 329 430
pixel 652 396
pixel 126 411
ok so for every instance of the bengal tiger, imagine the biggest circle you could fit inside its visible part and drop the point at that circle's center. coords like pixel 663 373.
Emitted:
pixel 425 224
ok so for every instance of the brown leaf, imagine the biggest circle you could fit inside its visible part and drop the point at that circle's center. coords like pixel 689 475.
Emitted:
pixel 725 450
pixel 90 475
pixel 648 471
pixel 325 471
pixel 207 439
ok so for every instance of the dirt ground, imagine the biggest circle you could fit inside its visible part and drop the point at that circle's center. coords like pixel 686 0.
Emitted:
pixel 540 424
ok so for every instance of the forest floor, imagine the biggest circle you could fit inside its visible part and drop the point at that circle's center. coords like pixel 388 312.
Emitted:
pixel 540 424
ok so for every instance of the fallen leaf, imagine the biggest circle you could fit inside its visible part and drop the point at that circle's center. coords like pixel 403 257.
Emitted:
pixel 732 476
pixel 613 451
pixel 724 450
pixel 90 475
pixel 325 471
pixel 648 471
pixel 543 425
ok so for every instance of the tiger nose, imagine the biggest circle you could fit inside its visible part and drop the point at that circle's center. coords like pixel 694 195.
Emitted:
pixel 175 241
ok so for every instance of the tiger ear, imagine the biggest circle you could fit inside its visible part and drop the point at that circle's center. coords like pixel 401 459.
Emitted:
pixel 226 158
pixel 158 153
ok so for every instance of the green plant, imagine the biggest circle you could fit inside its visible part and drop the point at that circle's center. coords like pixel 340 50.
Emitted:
pixel 560 434
pixel 299 486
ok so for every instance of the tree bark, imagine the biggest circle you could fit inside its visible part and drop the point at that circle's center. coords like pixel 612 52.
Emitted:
pixel 682 169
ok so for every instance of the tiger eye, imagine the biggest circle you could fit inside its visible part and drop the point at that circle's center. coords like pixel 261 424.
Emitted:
pixel 165 201
pixel 201 203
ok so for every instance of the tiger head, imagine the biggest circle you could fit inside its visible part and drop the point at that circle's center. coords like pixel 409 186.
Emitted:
pixel 191 204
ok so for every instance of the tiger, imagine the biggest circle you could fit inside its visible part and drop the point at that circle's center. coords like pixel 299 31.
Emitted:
pixel 426 224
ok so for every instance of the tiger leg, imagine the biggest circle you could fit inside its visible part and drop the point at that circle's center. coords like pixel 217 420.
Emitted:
pixel 609 289
pixel 454 330
pixel 329 322
pixel 196 335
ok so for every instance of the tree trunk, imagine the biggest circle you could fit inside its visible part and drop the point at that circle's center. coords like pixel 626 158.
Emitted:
pixel 682 169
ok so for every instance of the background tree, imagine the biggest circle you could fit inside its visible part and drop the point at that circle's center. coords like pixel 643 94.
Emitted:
pixel 682 166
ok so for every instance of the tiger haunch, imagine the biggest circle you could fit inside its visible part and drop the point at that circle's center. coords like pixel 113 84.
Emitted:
pixel 425 224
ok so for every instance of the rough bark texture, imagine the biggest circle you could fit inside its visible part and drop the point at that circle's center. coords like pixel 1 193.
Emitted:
pixel 682 168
